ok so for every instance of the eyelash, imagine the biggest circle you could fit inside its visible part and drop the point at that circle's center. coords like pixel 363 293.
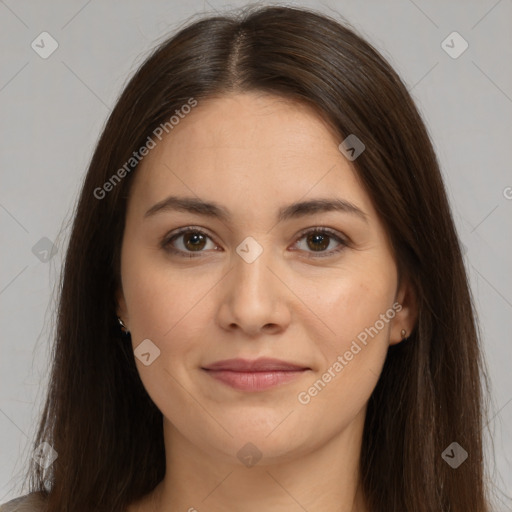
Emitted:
pixel 167 242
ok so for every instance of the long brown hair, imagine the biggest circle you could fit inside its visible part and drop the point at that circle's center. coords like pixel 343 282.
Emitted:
pixel 107 432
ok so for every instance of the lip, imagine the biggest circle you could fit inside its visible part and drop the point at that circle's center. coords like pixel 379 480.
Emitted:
pixel 254 375
pixel 262 364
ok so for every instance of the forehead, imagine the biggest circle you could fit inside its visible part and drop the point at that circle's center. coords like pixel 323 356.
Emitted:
pixel 249 150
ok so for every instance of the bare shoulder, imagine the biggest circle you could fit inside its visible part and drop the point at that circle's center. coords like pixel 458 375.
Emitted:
pixel 32 502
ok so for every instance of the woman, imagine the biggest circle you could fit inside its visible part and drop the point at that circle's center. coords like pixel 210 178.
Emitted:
pixel 264 304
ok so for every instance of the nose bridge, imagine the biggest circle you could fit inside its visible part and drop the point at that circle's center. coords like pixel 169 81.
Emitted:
pixel 251 273
pixel 254 296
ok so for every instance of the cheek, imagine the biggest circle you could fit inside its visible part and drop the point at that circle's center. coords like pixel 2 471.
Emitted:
pixel 164 306
pixel 357 308
pixel 351 301
pixel 148 301
pixel 156 295
pixel 167 306
pixel 352 356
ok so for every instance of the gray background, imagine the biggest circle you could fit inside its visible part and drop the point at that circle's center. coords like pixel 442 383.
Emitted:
pixel 53 111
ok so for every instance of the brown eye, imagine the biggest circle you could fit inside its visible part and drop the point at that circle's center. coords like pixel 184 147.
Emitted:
pixel 318 241
pixel 322 241
pixel 194 241
pixel 188 241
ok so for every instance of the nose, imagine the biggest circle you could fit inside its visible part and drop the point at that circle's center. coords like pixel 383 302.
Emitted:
pixel 254 299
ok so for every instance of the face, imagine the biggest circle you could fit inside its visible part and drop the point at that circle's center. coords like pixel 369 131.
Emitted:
pixel 249 276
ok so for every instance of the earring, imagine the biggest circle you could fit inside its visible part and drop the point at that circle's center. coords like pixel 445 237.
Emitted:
pixel 403 333
pixel 123 327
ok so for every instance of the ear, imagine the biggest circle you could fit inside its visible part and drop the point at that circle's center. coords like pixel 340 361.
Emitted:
pixel 121 309
pixel 407 313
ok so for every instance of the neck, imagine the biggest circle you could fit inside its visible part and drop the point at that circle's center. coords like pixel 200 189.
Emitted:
pixel 318 479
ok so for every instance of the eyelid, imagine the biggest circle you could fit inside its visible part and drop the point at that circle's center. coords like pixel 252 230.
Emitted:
pixel 339 237
pixel 169 237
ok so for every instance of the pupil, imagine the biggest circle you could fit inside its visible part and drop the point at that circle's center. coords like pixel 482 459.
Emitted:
pixel 197 237
pixel 318 238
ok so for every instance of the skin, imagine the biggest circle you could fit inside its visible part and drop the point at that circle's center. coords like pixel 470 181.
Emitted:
pixel 253 153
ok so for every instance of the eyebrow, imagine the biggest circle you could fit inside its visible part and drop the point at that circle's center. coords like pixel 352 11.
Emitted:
pixel 294 210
